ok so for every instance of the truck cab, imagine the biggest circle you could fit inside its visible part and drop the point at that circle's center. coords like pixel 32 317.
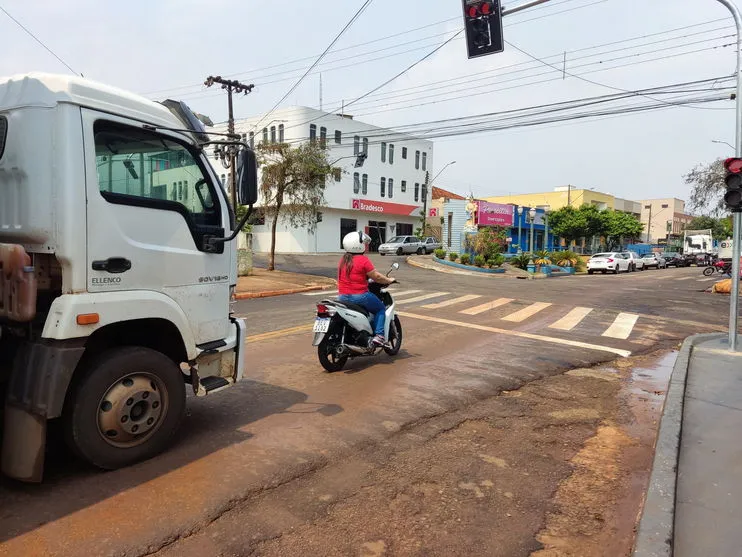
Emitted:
pixel 116 270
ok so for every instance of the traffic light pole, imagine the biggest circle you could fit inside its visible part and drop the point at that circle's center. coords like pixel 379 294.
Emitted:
pixel 737 217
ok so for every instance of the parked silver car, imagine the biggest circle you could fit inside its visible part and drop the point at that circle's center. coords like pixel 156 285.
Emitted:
pixel 654 260
pixel 636 263
pixel 431 244
pixel 400 245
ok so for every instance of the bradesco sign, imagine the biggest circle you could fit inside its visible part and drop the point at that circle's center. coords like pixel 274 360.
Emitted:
pixel 383 208
pixel 494 214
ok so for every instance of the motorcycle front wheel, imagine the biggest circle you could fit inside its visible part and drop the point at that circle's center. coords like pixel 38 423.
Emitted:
pixel 708 271
pixel 328 355
pixel 395 337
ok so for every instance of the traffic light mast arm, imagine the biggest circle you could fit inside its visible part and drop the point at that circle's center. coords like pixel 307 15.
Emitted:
pixel 527 5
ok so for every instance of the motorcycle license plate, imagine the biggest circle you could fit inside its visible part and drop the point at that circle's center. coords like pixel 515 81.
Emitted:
pixel 321 325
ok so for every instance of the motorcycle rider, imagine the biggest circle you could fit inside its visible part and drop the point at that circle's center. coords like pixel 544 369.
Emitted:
pixel 354 270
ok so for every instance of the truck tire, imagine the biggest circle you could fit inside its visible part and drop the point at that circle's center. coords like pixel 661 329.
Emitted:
pixel 126 408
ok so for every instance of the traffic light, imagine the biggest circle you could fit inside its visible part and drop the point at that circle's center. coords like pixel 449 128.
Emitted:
pixel 483 26
pixel 733 179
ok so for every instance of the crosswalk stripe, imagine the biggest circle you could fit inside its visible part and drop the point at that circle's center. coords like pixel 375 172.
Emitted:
pixel 403 293
pixel 447 303
pixel 707 279
pixel 685 278
pixel 322 293
pixel 423 297
pixel 526 312
pixel 572 319
pixel 622 326
pixel 476 310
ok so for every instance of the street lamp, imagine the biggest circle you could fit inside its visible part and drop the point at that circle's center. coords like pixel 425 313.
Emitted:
pixel 722 143
pixel 441 172
pixel 427 184
pixel 531 218
pixel 520 235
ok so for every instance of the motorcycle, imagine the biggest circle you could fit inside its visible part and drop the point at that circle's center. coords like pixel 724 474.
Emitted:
pixel 343 330
pixel 724 267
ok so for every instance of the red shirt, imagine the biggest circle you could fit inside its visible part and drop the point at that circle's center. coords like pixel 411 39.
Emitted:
pixel 355 282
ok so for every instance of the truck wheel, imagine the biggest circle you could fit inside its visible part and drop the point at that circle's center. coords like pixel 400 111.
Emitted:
pixel 126 408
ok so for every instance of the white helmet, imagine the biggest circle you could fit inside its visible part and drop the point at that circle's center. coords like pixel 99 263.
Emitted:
pixel 355 242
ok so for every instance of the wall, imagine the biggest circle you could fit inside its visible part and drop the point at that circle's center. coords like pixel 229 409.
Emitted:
pixel 662 211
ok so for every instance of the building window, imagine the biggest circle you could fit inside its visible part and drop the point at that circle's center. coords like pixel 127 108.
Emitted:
pixel 391 153
pixel 338 137
pixel 312 132
pixel 265 136
pixel 365 146
pixel 364 185
pixel 417 160
pixel 323 136
pixel 404 186
pixel 425 161
pixel 665 206
pixel 383 187
pixel 337 173
pixel 417 192
pixel 404 153
pixel 273 134
pixel 391 188
pixel 357 145
pixel 647 206
pixel 356 182
pixel 383 152
pixel 252 140
pixel 281 135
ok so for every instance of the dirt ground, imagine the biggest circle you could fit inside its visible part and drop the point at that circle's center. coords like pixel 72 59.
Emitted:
pixel 556 468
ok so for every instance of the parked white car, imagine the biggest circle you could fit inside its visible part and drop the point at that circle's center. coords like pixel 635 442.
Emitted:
pixel 636 263
pixel 431 244
pixel 609 262
pixel 400 245
pixel 654 260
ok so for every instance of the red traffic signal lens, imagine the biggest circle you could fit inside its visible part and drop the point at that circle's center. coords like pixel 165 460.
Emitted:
pixel 733 165
pixel 473 11
pixel 485 8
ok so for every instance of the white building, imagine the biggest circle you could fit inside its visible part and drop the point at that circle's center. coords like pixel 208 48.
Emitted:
pixel 383 197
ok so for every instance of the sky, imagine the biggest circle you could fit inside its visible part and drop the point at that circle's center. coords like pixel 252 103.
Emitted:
pixel 166 49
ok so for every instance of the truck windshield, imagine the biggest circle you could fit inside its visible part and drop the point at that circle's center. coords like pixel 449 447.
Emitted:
pixel 140 163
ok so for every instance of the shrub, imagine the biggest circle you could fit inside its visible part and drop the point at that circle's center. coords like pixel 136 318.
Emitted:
pixel 465 258
pixel 521 261
pixel 479 260
pixel 541 257
pixel 453 256
pixel 496 261
pixel 440 253
pixel 565 258
pixel 489 241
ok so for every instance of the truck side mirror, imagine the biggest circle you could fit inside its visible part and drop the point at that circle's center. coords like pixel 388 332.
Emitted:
pixel 247 177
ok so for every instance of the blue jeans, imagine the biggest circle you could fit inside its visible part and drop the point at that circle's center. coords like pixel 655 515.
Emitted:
pixel 373 305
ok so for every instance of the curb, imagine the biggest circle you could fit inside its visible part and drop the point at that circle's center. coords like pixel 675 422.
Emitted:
pixel 469 268
pixel 451 271
pixel 654 536
pixel 272 293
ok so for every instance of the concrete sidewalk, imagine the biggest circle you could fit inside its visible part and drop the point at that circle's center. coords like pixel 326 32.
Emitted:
pixel 262 284
pixel 694 503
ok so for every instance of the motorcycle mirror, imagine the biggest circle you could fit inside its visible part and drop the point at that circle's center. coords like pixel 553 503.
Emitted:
pixel 395 266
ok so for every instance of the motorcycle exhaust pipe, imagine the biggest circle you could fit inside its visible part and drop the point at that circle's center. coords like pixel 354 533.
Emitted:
pixel 356 349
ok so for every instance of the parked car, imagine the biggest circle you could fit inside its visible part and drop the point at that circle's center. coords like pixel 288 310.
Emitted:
pixel 673 259
pixel 636 263
pixel 400 245
pixel 610 262
pixel 654 260
pixel 431 244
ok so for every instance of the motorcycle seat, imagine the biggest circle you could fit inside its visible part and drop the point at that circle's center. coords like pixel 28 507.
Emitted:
pixel 354 307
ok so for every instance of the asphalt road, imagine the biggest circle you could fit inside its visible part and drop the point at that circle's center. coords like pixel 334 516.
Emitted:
pixel 465 339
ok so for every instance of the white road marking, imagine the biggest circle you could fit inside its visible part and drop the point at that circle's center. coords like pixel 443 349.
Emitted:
pixel 572 319
pixel 531 336
pixel 459 300
pixel 322 293
pixel 476 310
pixel 685 278
pixel 622 326
pixel 423 297
pixel 526 312
pixel 403 293
pixel 707 279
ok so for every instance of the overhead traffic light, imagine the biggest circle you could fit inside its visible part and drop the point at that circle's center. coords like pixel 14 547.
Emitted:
pixel 733 179
pixel 483 26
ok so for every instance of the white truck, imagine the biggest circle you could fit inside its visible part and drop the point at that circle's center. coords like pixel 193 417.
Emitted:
pixel 698 242
pixel 117 269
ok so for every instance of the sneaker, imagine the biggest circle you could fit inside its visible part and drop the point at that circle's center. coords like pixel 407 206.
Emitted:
pixel 378 340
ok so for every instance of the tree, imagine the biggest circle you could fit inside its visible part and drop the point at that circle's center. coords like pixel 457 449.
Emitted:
pixel 489 241
pixel 617 226
pixel 568 223
pixel 707 188
pixel 720 228
pixel 293 185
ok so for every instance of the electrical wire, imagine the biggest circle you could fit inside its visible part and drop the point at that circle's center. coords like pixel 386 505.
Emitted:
pixel 38 40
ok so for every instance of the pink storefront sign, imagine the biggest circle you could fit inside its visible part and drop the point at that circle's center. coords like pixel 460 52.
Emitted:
pixel 494 214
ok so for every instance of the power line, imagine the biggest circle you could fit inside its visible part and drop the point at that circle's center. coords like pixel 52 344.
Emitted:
pixel 319 59
pixel 34 37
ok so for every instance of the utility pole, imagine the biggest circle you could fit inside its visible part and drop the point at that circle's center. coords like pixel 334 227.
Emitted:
pixel 228 155
pixel 649 224
pixel 425 202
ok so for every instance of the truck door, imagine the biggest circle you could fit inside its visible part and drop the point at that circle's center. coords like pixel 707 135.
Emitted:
pixel 151 200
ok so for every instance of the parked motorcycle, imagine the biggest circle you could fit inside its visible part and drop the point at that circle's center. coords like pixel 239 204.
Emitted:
pixel 343 330
pixel 724 267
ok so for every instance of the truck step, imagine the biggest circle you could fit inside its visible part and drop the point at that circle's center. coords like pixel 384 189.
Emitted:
pixel 212 384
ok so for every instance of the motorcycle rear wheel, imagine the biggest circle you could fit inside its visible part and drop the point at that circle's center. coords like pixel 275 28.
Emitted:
pixel 327 355
pixel 708 271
